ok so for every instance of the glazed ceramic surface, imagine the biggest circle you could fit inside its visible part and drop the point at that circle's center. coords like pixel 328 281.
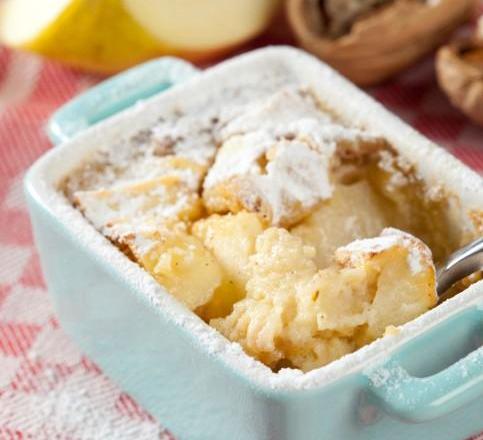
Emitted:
pixel 425 383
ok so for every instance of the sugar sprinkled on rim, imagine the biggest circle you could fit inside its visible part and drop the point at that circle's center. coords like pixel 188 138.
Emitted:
pixel 419 255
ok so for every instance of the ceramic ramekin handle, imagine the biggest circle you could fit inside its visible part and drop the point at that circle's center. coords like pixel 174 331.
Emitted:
pixel 417 399
pixel 116 94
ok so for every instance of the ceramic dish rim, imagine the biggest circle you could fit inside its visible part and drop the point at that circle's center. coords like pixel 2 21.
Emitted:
pixel 41 187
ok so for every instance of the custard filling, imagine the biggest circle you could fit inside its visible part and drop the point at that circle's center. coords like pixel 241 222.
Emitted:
pixel 293 233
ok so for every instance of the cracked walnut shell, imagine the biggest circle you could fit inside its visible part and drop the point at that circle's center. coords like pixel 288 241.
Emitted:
pixel 380 41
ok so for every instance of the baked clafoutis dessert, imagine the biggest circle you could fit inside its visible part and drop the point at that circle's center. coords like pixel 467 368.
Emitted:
pixel 284 227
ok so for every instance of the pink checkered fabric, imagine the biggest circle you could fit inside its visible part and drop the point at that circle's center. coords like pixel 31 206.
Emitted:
pixel 48 389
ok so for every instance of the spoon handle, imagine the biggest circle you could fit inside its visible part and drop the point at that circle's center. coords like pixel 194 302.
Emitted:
pixel 460 264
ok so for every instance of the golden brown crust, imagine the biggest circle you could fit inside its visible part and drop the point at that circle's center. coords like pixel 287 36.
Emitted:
pixel 238 194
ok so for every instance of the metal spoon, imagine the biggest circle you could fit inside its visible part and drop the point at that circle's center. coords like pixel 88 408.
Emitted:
pixel 460 264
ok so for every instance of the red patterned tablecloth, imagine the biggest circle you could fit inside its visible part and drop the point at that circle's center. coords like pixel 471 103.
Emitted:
pixel 48 389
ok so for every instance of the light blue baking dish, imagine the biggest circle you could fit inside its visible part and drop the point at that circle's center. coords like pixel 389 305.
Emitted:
pixel 425 383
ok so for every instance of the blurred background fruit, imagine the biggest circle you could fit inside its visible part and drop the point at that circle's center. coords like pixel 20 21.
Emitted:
pixel 109 35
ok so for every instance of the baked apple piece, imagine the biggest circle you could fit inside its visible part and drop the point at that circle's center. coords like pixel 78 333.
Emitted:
pixel 354 211
pixel 375 283
pixel 231 239
pixel 294 314
pixel 179 262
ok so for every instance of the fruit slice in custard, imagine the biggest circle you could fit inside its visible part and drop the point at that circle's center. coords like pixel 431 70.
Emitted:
pixel 294 314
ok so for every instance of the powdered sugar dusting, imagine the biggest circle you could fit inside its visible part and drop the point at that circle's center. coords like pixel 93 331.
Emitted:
pixel 368 246
pixel 391 379
pixel 419 255
pixel 187 130
pixel 143 243
pixel 415 260
pixel 239 157
pixel 397 168
pixel 296 173
pixel 127 208
pixel 274 114
pixel 297 141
